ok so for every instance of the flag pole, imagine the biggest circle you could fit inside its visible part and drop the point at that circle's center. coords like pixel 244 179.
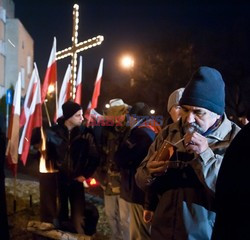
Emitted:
pixel 88 122
pixel 56 94
pixel 47 112
pixel 14 201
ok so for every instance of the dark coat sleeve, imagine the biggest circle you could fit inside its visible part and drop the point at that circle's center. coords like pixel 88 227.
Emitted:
pixel 134 149
pixel 92 157
pixel 52 141
pixel 232 191
pixel 151 200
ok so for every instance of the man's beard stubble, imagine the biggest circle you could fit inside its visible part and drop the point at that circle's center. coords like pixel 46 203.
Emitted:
pixel 192 127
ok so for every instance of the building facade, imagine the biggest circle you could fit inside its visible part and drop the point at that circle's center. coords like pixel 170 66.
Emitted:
pixel 16 49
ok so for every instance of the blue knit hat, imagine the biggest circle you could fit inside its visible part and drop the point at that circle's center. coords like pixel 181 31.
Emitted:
pixel 206 89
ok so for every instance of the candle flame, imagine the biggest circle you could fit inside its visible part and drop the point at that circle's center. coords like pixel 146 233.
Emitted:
pixel 42 165
pixel 43 168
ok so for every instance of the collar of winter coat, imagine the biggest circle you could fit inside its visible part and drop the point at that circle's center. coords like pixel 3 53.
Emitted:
pixel 221 133
pixel 63 131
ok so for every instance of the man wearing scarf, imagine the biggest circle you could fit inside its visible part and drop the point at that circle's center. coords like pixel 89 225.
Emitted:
pixel 185 181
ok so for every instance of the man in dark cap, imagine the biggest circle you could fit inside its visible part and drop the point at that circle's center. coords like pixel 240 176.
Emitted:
pixel 71 149
pixel 185 181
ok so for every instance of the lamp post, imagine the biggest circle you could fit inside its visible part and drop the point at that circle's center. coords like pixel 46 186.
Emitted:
pixel 51 90
pixel 127 62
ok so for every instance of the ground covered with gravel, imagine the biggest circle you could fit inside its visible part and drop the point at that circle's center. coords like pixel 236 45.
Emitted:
pixel 26 208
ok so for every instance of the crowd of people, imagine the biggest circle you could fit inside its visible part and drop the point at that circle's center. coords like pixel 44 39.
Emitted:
pixel 184 178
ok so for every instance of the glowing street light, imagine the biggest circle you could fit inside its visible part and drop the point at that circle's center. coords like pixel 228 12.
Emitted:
pixel 127 62
pixel 152 111
pixel 51 89
pixel 107 105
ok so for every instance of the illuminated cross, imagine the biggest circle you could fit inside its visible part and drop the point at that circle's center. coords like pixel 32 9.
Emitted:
pixel 76 48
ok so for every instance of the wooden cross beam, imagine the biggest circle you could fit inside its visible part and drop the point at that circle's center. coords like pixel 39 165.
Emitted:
pixel 76 48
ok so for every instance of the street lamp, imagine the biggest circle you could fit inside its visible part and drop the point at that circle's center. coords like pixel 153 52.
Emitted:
pixel 127 62
pixel 51 89
pixel 152 111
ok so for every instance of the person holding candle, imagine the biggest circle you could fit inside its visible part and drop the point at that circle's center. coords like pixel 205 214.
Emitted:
pixel 174 110
pixel 185 183
pixel 72 151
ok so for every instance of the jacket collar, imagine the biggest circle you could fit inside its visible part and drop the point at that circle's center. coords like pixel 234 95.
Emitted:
pixel 220 133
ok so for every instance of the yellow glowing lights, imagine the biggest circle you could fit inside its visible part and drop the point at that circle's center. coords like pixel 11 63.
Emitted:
pixel 80 47
pixel 77 47
pixel 76 6
pixel 51 88
pixel 127 62
pixel 152 111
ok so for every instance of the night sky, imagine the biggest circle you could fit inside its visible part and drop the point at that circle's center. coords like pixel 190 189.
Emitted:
pixel 126 25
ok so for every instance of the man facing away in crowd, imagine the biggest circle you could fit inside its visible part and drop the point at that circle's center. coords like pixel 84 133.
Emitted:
pixel 128 157
pixel 185 183
pixel 108 173
pixel 71 149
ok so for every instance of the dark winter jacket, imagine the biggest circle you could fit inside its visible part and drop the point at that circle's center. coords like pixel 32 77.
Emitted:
pixel 108 173
pixel 128 158
pixel 73 152
pixel 232 194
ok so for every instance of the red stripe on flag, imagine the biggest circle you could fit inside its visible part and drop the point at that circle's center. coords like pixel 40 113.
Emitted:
pixel 50 78
pixel 51 72
pixel 78 94
pixel 35 120
pixel 96 92
pixel 13 129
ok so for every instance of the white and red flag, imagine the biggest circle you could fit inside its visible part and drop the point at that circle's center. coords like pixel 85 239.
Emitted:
pixel 97 88
pixel 79 83
pixel 51 72
pixel 92 114
pixel 33 117
pixel 13 130
pixel 28 98
pixel 64 92
pixel 88 111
